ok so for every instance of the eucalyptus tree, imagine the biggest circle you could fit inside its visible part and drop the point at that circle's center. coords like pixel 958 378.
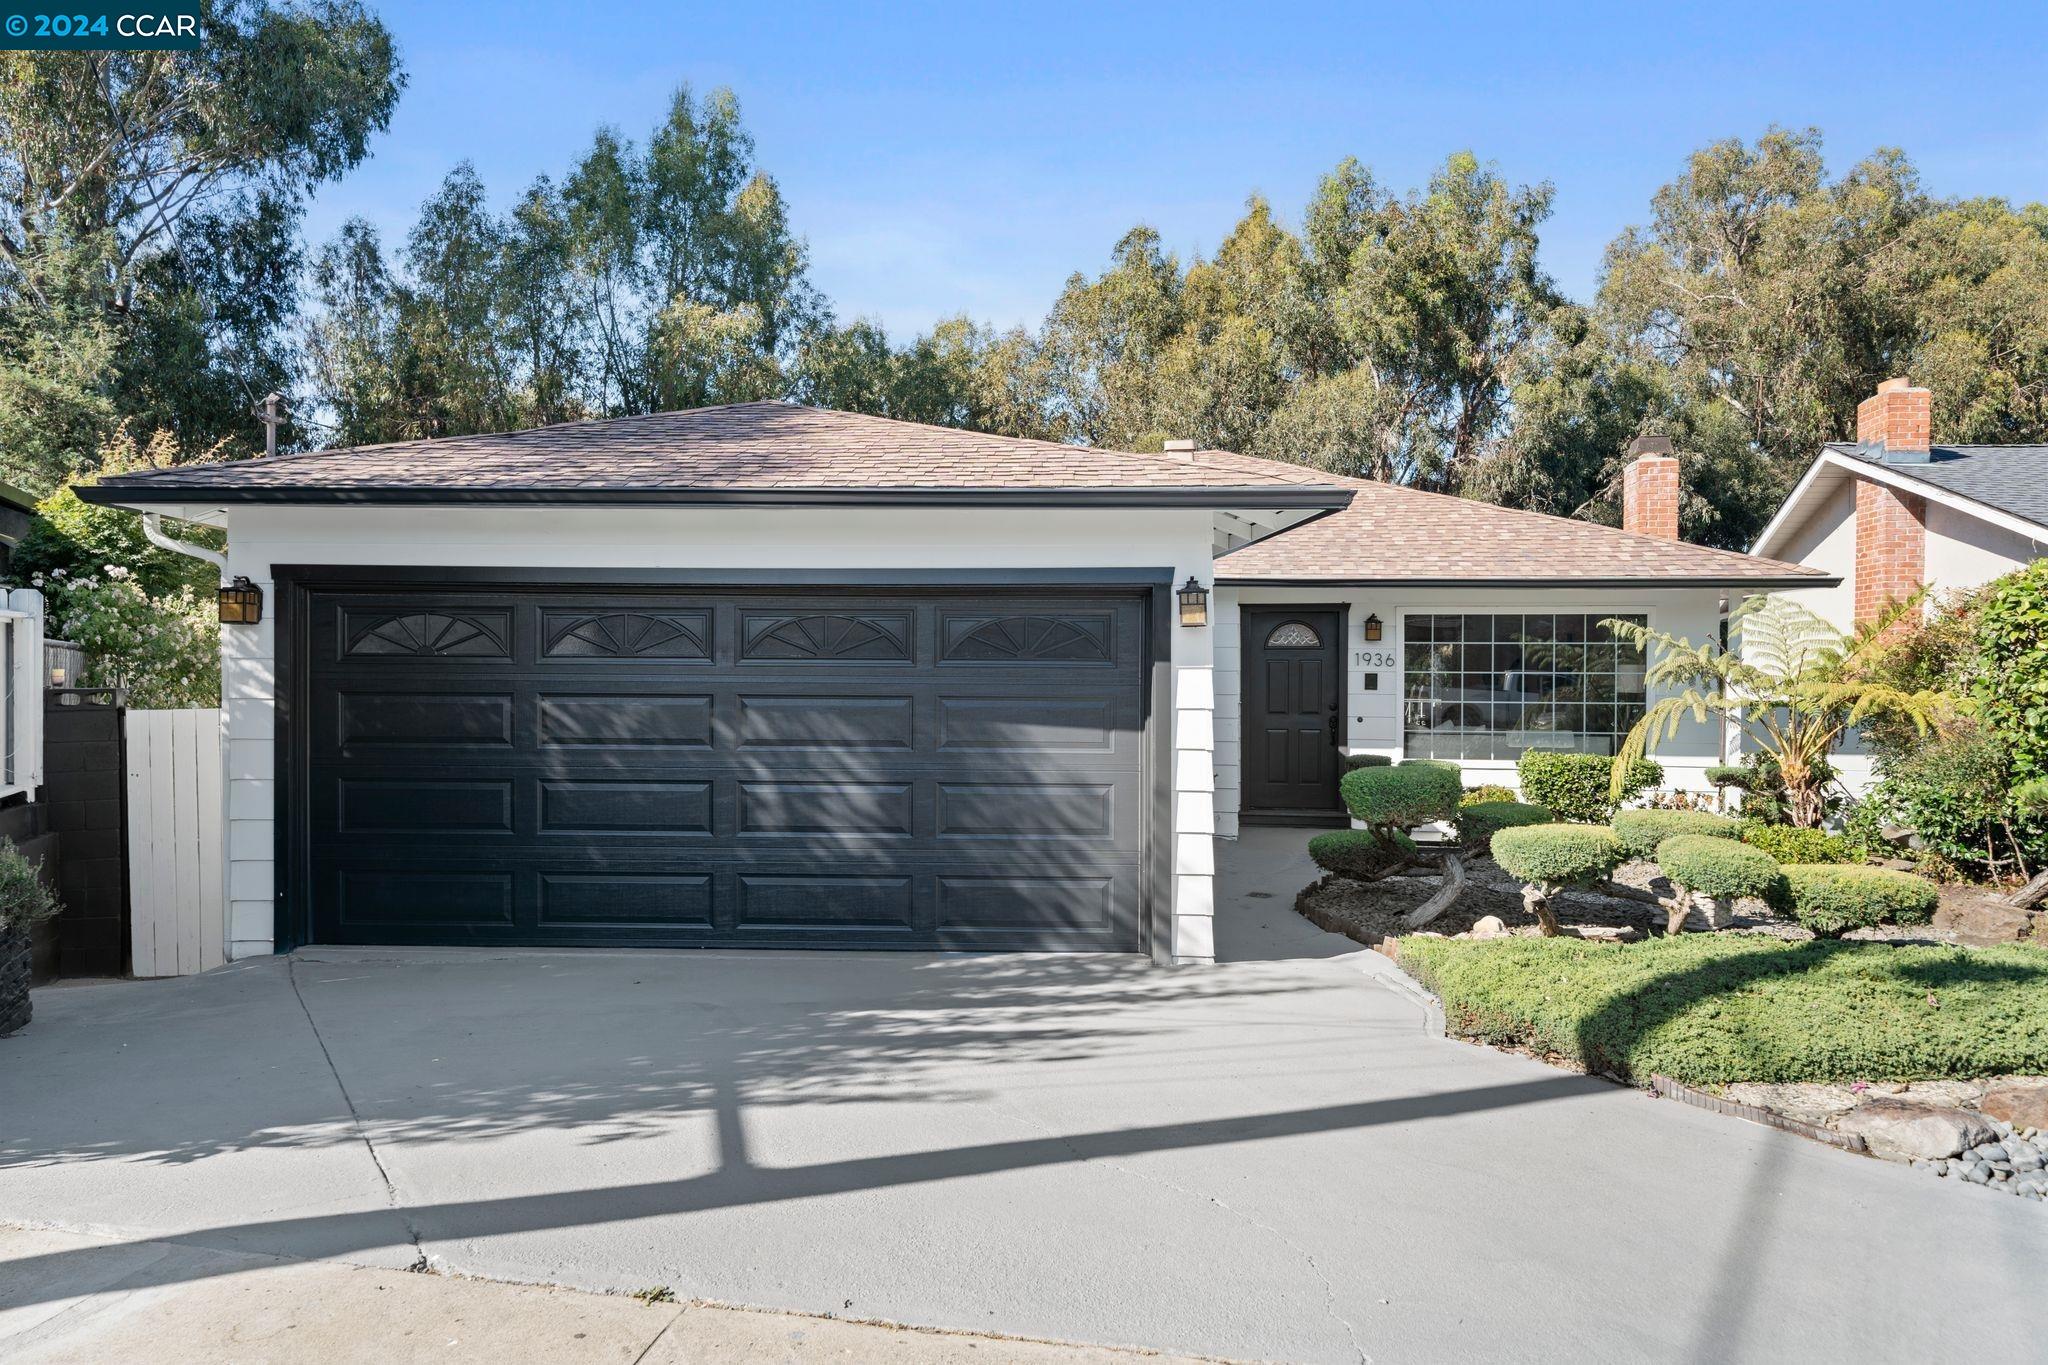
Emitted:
pixel 149 210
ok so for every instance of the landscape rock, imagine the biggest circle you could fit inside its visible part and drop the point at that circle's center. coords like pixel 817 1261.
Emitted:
pixel 1489 926
pixel 2023 1104
pixel 1981 922
pixel 1902 1130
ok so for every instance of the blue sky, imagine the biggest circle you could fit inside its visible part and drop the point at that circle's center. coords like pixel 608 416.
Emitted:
pixel 958 157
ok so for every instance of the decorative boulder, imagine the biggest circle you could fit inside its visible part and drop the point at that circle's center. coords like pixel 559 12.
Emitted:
pixel 1903 1131
pixel 2023 1104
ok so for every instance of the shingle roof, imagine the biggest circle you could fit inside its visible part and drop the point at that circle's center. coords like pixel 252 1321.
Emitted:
pixel 2010 478
pixel 1395 534
pixel 768 451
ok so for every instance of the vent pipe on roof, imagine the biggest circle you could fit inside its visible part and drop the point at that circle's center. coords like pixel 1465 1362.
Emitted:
pixel 270 412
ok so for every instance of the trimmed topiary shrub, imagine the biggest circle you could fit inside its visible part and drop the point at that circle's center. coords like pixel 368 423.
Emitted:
pixel 1576 785
pixel 1478 822
pixel 1356 853
pixel 1831 898
pixel 1730 776
pixel 1791 844
pixel 24 900
pixel 1716 871
pixel 1548 858
pixel 1355 761
pixel 1402 797
pixel 1640 831
pixel 1487 793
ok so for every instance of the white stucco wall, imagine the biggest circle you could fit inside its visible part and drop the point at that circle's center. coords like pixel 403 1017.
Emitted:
pixel 1826 540
pixel 1964 551
pixel 1372 717
pixel 678 538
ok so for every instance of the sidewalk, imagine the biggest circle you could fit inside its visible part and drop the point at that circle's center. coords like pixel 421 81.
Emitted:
pixel 171 1304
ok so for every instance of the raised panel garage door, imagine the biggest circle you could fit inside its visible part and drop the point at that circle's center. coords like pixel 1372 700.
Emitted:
pixel 667 768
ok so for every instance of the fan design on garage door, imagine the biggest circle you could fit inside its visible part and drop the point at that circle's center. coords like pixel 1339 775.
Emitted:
pixel 628 635
pixel 1028 639
pixel 827 637
pixel 433 634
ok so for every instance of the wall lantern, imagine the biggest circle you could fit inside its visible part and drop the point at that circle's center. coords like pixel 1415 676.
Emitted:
pixel 1372 627
pixel 1194 603
pixel 241 603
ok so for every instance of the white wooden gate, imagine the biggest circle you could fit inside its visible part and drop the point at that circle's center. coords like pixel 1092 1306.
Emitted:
pixel 176 842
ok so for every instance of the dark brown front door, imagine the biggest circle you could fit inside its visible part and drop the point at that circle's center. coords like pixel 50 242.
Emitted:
pixel 1293 673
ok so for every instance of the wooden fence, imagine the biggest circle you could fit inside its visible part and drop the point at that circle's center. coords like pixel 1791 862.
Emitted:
pixel 176 842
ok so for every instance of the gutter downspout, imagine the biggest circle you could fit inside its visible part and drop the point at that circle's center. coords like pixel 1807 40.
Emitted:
pixel 153 532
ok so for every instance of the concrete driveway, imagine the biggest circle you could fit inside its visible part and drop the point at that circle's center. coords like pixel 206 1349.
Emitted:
pixel 1268 1159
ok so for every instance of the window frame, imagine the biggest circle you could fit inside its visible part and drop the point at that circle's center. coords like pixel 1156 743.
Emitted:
pixel 1404 616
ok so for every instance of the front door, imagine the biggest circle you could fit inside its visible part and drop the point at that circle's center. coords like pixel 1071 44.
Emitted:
pixel 1293 672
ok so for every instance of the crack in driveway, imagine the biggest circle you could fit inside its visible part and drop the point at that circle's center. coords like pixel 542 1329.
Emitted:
pixel 355 1118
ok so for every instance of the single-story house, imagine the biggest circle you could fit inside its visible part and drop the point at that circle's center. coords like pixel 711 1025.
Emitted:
pixel 1891 512
pixel 766 675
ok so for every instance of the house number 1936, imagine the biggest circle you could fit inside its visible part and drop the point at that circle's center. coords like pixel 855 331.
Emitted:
pixel 1373 658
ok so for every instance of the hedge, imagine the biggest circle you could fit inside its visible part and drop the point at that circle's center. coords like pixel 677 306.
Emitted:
pixel 1831 899
pixel 1640 831
pixel 1720 868
pixel 1486 794
pixel 1791 844
pixel 1352 762
pixel 1480 821
pixel 1714 1009
pixel 1726 775
pixel 1356 853
pixel 1557 855
pixel 1575 785
pixel 1414 793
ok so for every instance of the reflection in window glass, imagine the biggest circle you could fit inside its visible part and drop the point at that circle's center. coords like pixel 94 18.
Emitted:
pixel 1488 687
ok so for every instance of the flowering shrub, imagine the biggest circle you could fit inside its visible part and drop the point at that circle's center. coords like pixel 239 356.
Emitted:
pixel 164 650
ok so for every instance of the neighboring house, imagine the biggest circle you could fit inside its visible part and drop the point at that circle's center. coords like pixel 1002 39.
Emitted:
pixel 1891 512
pixel 766 675
pixel 17 514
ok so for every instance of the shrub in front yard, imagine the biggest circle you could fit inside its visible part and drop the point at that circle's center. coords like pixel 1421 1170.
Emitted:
pixel 1640 831
pixel 1726 776
pixel 23 901
pixel 1479 821
pixel 1832 898
pixel 1355 761
pixel 1389 801
pixel 1791 844
pixel 1355 853
pixel 1576 786
pixel 1548 858
pixel 1404 796
pixel 1720 871
pixel 1714 1009
pixel 1487 793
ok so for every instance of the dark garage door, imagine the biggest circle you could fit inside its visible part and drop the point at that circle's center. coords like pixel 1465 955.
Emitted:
pixel 667 768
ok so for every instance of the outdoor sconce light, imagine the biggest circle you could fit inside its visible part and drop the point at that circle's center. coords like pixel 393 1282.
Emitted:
pixel 1372 627
pixel 241 603
pixel 1194 603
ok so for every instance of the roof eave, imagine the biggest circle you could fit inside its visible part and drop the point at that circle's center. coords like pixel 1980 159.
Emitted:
pixel 1633 582
pixel 1283 496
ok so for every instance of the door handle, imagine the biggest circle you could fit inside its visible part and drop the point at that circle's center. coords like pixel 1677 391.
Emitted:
pixel 1333 727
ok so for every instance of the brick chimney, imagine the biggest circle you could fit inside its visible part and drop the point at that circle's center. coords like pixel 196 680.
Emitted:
pixel 1649 488
pixel 1891 523
pixel 1899 418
